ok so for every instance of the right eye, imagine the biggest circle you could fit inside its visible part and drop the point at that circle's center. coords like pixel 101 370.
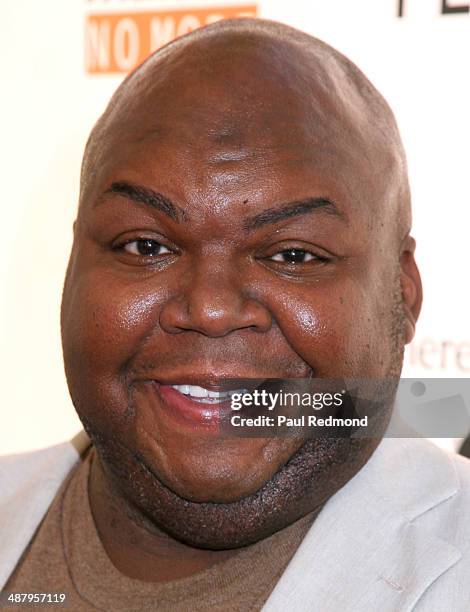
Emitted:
pixel 294 256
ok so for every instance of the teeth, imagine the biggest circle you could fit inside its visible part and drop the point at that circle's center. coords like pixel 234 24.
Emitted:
pixel 195 391
pixel 199 393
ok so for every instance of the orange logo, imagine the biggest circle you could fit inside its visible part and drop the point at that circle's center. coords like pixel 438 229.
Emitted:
pixel 118 42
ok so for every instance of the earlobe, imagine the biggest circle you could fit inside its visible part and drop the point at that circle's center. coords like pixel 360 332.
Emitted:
pixel 411 287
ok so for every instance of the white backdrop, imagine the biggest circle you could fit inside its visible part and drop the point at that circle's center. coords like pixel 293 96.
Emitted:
pixel 56 61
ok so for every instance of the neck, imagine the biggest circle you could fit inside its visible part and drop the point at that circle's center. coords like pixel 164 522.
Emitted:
pixel 137 548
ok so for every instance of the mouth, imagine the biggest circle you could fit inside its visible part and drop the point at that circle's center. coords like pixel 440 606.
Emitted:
pixel 205 403
pixel 196 406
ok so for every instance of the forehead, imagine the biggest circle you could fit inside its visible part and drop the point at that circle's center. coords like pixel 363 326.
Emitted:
pixel 214 122
pixel 228 90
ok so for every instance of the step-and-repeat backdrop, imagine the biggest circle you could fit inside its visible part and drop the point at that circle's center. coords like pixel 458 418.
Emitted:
pixel 61 61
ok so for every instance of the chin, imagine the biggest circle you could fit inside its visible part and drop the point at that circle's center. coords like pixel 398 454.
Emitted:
pixel 219 488
pixel 215 470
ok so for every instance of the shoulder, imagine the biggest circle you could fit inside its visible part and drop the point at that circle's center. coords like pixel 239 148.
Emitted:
pixel 449 522
pixel 397 533
pixel 435 489
pixel 423 478
pixel 442 467
pixel 28 484
pixel 457 507
pixel 43 465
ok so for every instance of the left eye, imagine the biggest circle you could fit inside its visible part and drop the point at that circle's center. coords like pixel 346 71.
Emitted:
pixel 293 256
pixel 145 247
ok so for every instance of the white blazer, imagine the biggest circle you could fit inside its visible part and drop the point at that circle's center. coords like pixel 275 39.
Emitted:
pixel 395 538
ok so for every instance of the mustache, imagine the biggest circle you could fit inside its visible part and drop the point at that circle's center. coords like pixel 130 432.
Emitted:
pixel 225 357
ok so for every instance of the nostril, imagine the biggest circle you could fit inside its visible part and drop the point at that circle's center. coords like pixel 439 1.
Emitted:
pixel 214 317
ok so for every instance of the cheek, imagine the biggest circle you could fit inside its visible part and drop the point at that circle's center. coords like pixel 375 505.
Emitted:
pixel 104 321
pixel 332 328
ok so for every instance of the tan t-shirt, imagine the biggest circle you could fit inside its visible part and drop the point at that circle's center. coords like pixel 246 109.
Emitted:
pixel 66 556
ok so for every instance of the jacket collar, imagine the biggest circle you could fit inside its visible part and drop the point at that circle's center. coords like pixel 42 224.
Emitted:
pixel 367 548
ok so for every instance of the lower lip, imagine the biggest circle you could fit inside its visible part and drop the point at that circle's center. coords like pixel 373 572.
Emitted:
pixel 190 413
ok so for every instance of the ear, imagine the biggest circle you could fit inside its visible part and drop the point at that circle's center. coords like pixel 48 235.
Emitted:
pixel 411 287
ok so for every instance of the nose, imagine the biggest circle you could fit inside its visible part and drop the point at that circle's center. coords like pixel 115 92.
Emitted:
pixel 214 303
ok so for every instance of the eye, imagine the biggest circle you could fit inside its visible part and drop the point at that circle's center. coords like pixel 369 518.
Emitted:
pixel 145 247
pixel 294 256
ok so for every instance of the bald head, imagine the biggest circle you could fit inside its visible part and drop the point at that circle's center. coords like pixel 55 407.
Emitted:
pixel 236 79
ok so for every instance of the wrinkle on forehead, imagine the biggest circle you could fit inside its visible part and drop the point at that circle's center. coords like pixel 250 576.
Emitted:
pixel 243 88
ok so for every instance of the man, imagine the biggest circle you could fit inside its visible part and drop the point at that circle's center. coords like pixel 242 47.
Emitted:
pixel 244 214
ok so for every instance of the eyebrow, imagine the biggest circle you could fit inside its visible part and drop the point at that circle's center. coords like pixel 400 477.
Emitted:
pixel 145 195
pixel 293 209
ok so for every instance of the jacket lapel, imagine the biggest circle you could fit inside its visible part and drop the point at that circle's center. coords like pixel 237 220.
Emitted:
pixel 367 549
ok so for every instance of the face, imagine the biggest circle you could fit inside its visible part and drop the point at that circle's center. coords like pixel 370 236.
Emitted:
pixel 225 237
